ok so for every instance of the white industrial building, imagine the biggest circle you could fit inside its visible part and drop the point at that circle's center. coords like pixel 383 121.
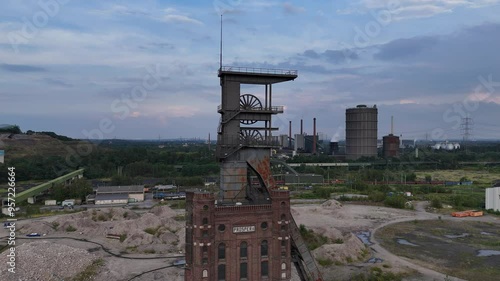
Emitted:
pixel 119 194
pixel 493 198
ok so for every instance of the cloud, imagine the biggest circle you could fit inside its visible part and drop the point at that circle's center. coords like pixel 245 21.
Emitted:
pixel 173 16
pixel 289 8
pixel 331 56
pixel 412 9
pixel 121 10
pixel 21 68
pixel 402 48
pixel 58 82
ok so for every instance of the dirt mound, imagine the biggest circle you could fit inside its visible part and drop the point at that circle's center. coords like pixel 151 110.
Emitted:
pixel 331 205
pixel 163 211
pixel 153 232
pixel 44 260
pixel 350 250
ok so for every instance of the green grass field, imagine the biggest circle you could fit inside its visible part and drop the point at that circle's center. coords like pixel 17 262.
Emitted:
pixel 484 177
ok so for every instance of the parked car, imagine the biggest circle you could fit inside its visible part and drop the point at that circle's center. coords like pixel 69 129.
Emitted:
pixel 33 234
pixel 179 262
pixel 8 224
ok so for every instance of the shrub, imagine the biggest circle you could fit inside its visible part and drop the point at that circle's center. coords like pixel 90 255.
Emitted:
pixel 395 202
pixel 325 262
pixel 70 228
pixel 312 240
pixel 123 237
pixel 376 196
pixel 436 203
pixel 102 217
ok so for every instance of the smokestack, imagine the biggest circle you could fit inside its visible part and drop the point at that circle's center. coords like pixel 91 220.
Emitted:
pixel 208 142
pixel 301 126
pixel 314 136
pixel 290 135
pixel 392 125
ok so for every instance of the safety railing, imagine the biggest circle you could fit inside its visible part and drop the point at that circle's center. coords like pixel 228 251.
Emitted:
pixel 258 70
pixel 279 108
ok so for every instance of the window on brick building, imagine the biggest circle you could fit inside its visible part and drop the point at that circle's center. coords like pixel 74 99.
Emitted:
pixel 243 250
pixel 243 270
pixel 222 251
pixel 204 221
pixel 263 248
pixel 264 269
pixel 283 243
pixel 221 272
pixel 204 273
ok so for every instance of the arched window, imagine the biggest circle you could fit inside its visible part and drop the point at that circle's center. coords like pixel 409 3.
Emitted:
pixel 263 248
pixel 283 217
pixel 221 272
pixel 204 221
pixel 204 273
pixel 204 249
pixel 222 251
pixel 283 266
pixel 243 250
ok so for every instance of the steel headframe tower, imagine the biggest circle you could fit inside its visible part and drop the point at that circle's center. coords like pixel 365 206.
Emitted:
pixel 245 134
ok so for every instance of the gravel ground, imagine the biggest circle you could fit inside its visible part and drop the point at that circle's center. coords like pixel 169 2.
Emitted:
pixel 44 260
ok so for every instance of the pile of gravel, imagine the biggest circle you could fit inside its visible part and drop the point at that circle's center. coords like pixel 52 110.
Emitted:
pixel 44 260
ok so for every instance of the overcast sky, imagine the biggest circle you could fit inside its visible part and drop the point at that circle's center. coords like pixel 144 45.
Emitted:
pixel 144 69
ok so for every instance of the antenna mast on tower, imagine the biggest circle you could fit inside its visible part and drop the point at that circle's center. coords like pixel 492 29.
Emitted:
pixel 220 58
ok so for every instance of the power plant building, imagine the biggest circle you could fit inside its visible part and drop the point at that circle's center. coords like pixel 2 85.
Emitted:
pixel 361 132
pixel 390 146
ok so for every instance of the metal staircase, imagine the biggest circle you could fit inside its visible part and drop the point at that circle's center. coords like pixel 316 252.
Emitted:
pixel 302 257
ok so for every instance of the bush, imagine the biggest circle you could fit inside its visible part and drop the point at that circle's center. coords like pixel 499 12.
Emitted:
pixel 325 262
pixel 55 225
pixel 436 203
pixel 322 192
pixel 102 217
pixel 377 196
pixel 312 240
pixel 70 228
pixel 395 202
pixel 123 237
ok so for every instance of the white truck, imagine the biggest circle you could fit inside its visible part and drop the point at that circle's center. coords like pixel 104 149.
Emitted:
pixel 70 203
